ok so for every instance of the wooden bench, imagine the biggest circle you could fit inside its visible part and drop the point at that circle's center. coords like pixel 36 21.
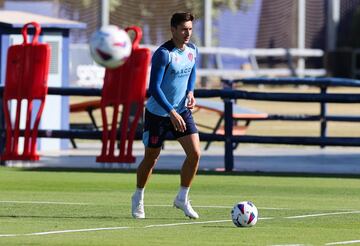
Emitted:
pixel 239 114
pixel 89 107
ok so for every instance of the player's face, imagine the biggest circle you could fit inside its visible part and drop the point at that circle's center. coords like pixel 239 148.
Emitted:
pixel 182 33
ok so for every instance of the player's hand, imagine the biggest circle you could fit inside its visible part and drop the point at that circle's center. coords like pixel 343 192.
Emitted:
pixel 177 121
pixel 190 100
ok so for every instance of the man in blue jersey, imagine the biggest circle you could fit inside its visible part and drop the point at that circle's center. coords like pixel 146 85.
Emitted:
pixel 172 82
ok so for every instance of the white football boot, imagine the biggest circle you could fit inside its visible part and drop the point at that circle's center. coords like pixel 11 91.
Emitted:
pixel 185 206
pixel 137 207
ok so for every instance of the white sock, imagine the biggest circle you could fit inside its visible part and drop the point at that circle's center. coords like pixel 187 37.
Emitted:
pixel 139 192
pixel 183 193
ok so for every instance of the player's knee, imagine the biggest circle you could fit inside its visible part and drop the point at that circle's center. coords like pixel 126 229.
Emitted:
pixel 152 156
pixel 147 164
pixel 151 160
pixel 154 161
pixel 194 156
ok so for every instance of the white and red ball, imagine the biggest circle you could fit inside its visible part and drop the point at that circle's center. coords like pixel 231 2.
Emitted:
pixel 110 46
pixel 244 214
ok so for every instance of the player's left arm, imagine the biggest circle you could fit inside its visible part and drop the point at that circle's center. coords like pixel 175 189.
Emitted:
pixel 190 89
pixel 191 85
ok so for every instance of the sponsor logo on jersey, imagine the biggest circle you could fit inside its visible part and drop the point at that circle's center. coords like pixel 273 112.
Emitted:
pixel 181 72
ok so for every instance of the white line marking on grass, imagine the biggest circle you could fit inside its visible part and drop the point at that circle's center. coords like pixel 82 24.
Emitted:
pixel 323 214
pixel 197 222
pixel 266 218
pixel 9 235
pixel 46 202
pixel 117 228
pixel 344 242
pixel 77 230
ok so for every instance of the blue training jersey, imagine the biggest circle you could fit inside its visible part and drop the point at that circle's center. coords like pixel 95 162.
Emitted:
pixel 173 75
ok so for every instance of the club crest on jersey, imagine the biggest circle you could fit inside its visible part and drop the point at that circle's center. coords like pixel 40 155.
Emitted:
pixel 190 56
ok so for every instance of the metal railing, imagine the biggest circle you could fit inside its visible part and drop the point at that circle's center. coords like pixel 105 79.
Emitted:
pixel 228 96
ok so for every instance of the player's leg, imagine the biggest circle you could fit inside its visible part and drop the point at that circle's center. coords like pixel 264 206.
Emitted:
pixel 191 145
pixel 143 173
pixel 146 166
pixel 153 137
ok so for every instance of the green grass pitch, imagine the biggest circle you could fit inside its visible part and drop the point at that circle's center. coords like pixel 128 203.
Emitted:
pixel 93 208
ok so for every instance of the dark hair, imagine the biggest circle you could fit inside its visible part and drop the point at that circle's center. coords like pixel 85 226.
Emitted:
pixel 178 18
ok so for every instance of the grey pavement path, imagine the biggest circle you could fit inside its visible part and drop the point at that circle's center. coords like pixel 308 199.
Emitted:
pixel 248 158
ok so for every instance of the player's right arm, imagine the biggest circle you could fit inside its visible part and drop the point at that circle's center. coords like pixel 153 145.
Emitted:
pixel 160 61
pixel 159 64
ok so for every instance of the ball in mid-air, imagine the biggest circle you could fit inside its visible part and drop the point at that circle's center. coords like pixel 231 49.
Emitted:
pixel 110 46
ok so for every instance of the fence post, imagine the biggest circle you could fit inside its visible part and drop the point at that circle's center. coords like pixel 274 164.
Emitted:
pixel 323 123
pixel 229 155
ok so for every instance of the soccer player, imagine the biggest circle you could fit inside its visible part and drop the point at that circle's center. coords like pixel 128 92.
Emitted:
pixel 172 81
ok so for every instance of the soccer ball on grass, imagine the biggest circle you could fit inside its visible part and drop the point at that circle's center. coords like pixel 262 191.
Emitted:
pixel 244 214
pixel 110 46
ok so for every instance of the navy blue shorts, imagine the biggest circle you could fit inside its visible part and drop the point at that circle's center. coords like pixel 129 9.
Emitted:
pixel 157 127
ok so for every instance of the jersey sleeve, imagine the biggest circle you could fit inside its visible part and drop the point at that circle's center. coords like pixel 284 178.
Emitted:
pixel 192 78
pixel 159 63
